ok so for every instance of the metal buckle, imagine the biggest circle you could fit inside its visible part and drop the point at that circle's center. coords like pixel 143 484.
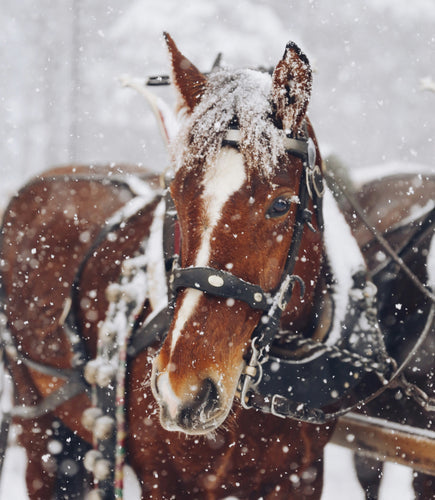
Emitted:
pixel 313 173
pixel 273 406
pixel 314 181
pixel 282 292
pixel 301 412
pixel 251 375
pixel 311 153
pixel 289 281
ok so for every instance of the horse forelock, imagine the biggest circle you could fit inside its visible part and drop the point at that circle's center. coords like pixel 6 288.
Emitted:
pixel 239 97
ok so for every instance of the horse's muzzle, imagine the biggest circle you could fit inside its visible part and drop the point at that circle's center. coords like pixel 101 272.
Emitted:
pixel 198 411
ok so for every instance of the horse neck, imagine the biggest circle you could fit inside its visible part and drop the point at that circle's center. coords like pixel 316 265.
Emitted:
pixel 328 275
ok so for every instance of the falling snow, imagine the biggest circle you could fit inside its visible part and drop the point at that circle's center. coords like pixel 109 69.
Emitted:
pixel 372 104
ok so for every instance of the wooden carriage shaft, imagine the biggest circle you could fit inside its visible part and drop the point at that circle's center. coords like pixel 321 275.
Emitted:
pixel 387 441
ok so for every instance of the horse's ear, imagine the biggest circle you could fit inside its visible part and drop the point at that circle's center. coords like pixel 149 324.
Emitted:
pixel 291 88
pixel 188 80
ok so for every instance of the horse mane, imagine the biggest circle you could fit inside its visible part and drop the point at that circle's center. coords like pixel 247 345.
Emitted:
pixel 241 99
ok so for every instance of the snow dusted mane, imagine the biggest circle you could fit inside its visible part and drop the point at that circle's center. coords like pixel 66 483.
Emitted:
pixel 239 98
pixel 262 107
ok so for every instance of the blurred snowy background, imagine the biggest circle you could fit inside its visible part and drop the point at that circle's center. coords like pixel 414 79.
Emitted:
pixel 61 100
pixel 60 63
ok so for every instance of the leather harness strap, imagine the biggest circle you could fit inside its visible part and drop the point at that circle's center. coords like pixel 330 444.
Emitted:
pixel 427 225
pixel 221 284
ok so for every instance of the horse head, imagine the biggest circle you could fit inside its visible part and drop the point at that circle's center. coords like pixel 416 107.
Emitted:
pixel 237 195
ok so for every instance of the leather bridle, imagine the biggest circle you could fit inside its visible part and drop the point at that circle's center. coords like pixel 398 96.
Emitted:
pixel 352 377
pixel 224 284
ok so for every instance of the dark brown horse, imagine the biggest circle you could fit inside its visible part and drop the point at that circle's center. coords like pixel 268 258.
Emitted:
pixel 248 198
pixel 402 206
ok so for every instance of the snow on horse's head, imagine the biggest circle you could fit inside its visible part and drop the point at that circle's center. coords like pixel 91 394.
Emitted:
pixel 236 207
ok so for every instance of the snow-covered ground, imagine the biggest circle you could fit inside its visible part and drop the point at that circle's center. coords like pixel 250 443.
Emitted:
pixel 341 482
pixel 340 479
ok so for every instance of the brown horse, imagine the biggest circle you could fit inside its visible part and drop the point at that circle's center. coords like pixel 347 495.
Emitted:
pixel 248 197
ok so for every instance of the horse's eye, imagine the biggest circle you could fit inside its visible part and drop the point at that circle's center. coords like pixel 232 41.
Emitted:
pixel 280 206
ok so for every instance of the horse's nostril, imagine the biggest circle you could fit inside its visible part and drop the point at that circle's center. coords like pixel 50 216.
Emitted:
pixel 185 417
pixel 202 406
pixel 208 396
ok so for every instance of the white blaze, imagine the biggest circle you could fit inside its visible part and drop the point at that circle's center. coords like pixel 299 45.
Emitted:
pixel 221 180
pixel 171 399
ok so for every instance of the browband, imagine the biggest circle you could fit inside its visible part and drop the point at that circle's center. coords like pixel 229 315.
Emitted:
pixel 301 147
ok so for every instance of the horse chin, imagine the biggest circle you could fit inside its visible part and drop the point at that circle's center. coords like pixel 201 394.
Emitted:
pixel 197 428
pixel 192 420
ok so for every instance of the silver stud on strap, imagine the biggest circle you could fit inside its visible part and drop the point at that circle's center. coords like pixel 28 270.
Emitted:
pixel 215 280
